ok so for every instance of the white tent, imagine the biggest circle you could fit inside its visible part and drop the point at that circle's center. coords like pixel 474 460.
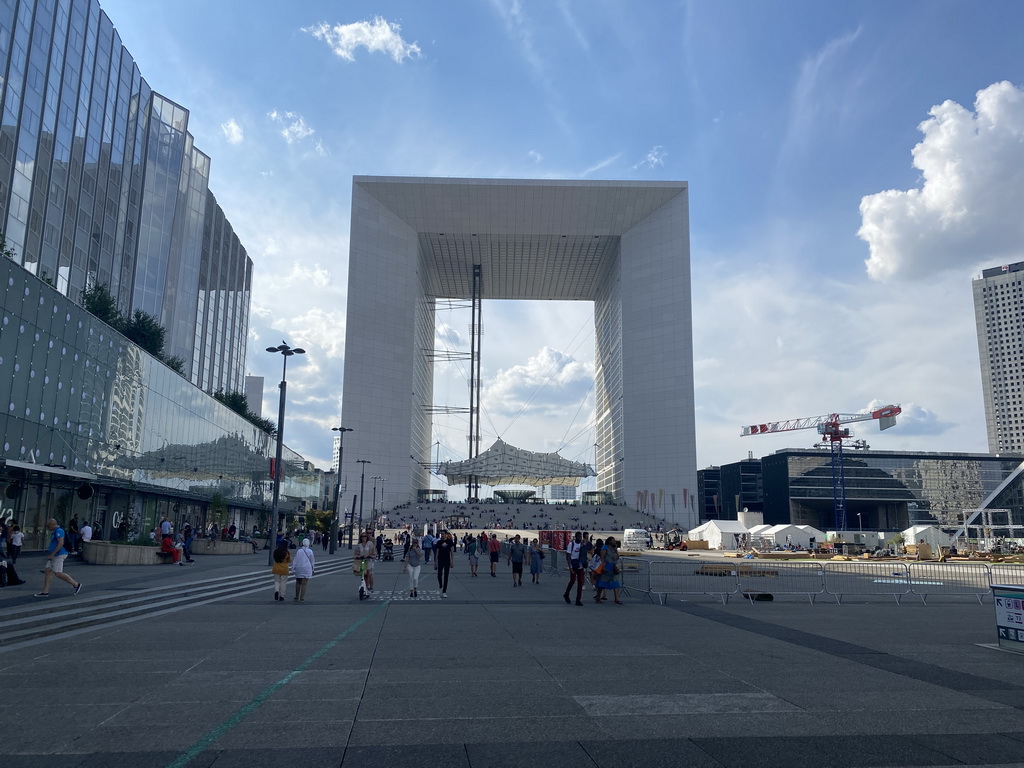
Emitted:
pixel 795 535
pixel 719 534
pixel 930 533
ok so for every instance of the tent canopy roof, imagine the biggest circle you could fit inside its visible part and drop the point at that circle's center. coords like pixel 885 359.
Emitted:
pixel 504 464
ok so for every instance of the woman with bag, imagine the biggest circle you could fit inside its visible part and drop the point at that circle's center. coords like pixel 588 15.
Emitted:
pixel 536 561
pixel 282 558
pixel 595 560
pixel 303 567
pixel 610 570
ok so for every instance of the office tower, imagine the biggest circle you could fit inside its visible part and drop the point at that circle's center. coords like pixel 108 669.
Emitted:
pixel 101 184
pixel 999 314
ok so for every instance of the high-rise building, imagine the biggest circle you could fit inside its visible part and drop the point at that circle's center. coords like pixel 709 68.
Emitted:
pixel 999 314
pixel 101 184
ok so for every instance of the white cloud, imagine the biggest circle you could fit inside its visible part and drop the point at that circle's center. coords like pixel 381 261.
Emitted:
pixel 654 157
pixel 295 128
pixel 376 36
pixel 232 131
pixel 549 383
pixel 967 211
pixel 535 155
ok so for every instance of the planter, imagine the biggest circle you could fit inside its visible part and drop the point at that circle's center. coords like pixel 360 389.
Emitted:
pixel 111 553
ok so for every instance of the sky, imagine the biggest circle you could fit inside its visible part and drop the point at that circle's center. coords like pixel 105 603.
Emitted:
pixel 852 166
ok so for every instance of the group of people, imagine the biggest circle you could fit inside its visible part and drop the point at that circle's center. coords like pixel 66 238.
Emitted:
pixel 302 567
pixel 598 561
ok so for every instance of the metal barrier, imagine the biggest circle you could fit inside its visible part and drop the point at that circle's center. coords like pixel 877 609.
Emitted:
pixel 759 577
pixel 692 577
pixel 1006 573
pixel 861 578
pixel 636 575
pixel 949 579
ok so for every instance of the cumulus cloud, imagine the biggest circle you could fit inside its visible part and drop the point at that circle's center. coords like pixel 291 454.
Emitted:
pixel 654 157
pixel 295 128
pixel 966 212
pixel 377 36
pixel 232 131
pixel 535 155
pixel 561 379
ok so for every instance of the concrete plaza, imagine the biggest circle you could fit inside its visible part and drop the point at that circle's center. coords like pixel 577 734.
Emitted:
pixel 502 676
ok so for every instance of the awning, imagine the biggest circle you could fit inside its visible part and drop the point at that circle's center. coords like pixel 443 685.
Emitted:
pixel 504 464
pixel 30 466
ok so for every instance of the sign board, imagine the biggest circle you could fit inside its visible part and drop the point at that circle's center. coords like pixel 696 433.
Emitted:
pixel 1009 602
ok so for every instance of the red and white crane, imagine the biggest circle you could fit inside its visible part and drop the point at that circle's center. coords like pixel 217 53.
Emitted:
pixel 830 427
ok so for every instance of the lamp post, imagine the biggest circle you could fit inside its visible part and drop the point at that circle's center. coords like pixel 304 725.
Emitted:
pixel 285 351
pixel 373 505
pixel 362 481
pixel 337 490
pixel 861 526
pixel 382 481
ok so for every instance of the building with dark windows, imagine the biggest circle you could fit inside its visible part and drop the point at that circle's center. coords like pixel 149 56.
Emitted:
pixel 709 482
pixel 999 316
pixel 887 490
pixel 101 184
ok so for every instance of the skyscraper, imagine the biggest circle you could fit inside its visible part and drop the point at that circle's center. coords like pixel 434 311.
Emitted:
pixel 101 184
pixel 999 314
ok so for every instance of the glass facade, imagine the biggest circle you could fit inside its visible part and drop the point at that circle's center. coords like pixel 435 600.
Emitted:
pixel 83 408
pixel 100 184
pixel 885 490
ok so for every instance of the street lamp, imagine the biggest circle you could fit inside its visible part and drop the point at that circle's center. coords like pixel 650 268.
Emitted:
pixel 362 481
pixel 382 481
pixel 285 351
pixel 337 491
pixel 373 506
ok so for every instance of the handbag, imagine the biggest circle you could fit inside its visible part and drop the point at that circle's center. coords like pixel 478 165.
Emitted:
pixel 599 569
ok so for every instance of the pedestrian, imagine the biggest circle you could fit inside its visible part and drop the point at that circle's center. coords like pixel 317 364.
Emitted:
pixel 494 551
pixel 406 544
pixel 609 576
pixel 86 532
pixel 304 566
pixel 413 562
pixel 427 544
pixel 380 544
pixel 472 553
pixel 445 557
pixel 517 556
pixel 71 545
pixel 536 561
pixel 577 566
pixel 213 535
pixel 55 555
pixel 17 540
pixel 165 527
pixel 282 559
pixel 595 560
pixel 187 537
pixel 167 545
pixel 363 554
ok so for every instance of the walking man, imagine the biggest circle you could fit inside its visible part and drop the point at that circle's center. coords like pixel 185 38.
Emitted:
pixel 516 556
pixel 445 554
pixel 494 550
pixel 55 554
pixel 576 568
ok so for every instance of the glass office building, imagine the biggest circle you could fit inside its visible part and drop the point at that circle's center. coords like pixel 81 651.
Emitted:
pixel 93 426
pixel 101 184
pixel 886 490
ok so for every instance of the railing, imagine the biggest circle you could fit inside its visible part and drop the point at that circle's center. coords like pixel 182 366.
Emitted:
pixel 754 579
pixel 636 575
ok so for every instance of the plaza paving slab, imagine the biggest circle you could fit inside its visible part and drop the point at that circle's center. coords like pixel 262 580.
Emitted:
pixel 496 676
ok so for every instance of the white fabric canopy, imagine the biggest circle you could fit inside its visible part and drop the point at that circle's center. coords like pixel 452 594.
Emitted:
pixel 504 464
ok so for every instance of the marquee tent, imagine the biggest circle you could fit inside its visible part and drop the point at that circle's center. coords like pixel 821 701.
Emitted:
pixel 719 534
pixel 504 464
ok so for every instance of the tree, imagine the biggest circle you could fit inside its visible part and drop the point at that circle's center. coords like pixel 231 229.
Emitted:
pixel 239 403
pixel 5 249
pixel 176 364
pixel 99 302
pixel 144 330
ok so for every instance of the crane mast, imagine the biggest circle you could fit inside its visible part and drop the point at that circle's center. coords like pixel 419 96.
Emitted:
pixel 832 431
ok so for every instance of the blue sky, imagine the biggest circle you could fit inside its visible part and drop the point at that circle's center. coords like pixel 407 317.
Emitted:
pixel 798 125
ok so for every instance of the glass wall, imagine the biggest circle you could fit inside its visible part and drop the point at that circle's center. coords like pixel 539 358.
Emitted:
pixel 82 406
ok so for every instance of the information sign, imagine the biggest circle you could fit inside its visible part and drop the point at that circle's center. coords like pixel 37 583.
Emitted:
pixel 1009 602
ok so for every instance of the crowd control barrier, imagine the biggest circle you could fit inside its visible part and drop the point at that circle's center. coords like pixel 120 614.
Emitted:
pixel 862 578
pixel 950 579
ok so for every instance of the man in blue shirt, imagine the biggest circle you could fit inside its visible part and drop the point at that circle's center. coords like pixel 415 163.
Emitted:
pixel 55 554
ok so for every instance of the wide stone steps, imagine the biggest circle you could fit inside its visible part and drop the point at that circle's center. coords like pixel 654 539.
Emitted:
pixel 57 616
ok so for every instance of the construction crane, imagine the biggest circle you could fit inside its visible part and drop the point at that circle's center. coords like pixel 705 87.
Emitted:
pixel 833 433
